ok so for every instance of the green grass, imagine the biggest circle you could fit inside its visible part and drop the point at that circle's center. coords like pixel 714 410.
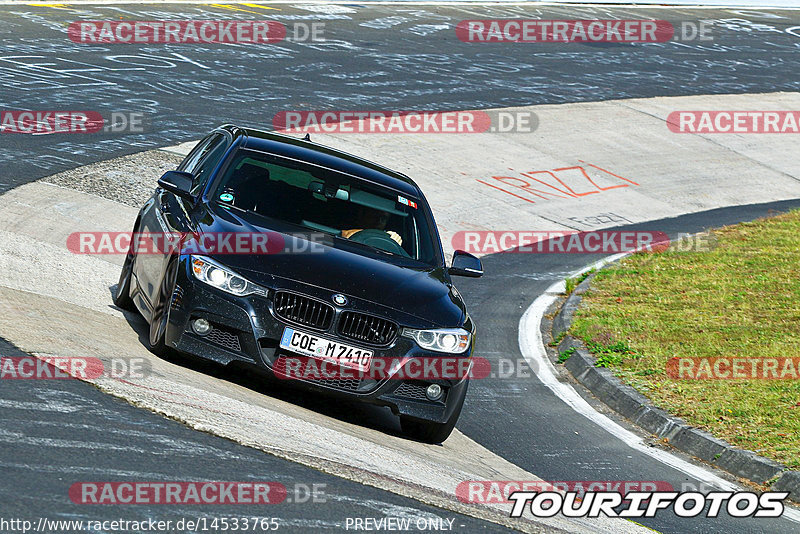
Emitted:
pixel 564 355
pixel 741 299
pixel 572 283
pixel 557 340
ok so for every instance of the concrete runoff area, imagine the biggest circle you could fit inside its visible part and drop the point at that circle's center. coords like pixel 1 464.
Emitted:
pixel 55 302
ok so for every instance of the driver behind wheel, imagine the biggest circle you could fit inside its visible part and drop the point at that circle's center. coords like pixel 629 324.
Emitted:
pixel 369 218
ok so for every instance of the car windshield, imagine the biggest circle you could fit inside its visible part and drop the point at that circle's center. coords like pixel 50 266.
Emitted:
pixel 323 200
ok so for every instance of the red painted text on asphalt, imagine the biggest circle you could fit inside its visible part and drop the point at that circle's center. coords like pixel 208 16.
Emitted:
pixel 176 31
pixel 737 122
pixel 177 492
pixel 564 31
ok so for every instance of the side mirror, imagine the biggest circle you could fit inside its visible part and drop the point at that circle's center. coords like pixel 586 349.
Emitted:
pixel 465 264
pixel 178 182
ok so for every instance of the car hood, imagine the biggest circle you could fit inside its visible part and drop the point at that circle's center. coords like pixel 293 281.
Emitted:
pixel 423 292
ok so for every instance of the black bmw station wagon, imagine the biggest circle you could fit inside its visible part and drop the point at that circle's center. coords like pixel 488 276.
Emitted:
pixel 343 270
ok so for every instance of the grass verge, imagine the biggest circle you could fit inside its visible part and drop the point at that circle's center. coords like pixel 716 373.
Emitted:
pixel 741 299
pixel 572 283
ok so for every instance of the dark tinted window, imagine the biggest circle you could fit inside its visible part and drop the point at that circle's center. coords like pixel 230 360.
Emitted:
pixel 203 159
pixel 200 149
pixel 208 162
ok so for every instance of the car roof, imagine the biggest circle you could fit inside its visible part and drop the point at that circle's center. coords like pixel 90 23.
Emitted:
pixel 300 149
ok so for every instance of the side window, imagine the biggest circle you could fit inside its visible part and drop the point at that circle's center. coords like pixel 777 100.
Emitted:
pixel 197 153
pixel 208 162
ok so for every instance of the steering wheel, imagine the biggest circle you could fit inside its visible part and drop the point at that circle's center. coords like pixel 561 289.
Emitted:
pixel 379 239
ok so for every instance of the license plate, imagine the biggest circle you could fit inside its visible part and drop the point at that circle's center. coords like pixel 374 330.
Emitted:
pixel 325 349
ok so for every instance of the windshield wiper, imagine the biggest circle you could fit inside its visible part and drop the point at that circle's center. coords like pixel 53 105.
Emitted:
pixel 370 248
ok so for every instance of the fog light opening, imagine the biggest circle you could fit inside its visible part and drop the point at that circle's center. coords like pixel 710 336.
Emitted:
pixel 201 327
pixel 434 392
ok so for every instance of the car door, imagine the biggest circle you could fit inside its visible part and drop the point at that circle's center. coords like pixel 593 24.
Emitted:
pixel 166 215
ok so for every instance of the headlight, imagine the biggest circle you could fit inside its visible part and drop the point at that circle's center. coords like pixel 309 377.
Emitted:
pixel 452 340
pixel 214 274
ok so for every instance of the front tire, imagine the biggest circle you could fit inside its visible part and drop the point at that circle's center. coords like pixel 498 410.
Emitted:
pixel 160 316
pixel 122 296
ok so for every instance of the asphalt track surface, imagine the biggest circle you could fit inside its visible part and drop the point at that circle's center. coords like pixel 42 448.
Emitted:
pixel 388 57
pixel 70 431
pixel 373 60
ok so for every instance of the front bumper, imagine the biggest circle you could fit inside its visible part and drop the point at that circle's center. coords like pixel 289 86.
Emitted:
pixel 246 329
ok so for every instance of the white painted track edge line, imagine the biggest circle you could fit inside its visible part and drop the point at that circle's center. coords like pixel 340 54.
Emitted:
pixel 532 347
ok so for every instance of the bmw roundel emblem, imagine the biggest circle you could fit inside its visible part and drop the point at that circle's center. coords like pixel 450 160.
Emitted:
pixel 339 299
